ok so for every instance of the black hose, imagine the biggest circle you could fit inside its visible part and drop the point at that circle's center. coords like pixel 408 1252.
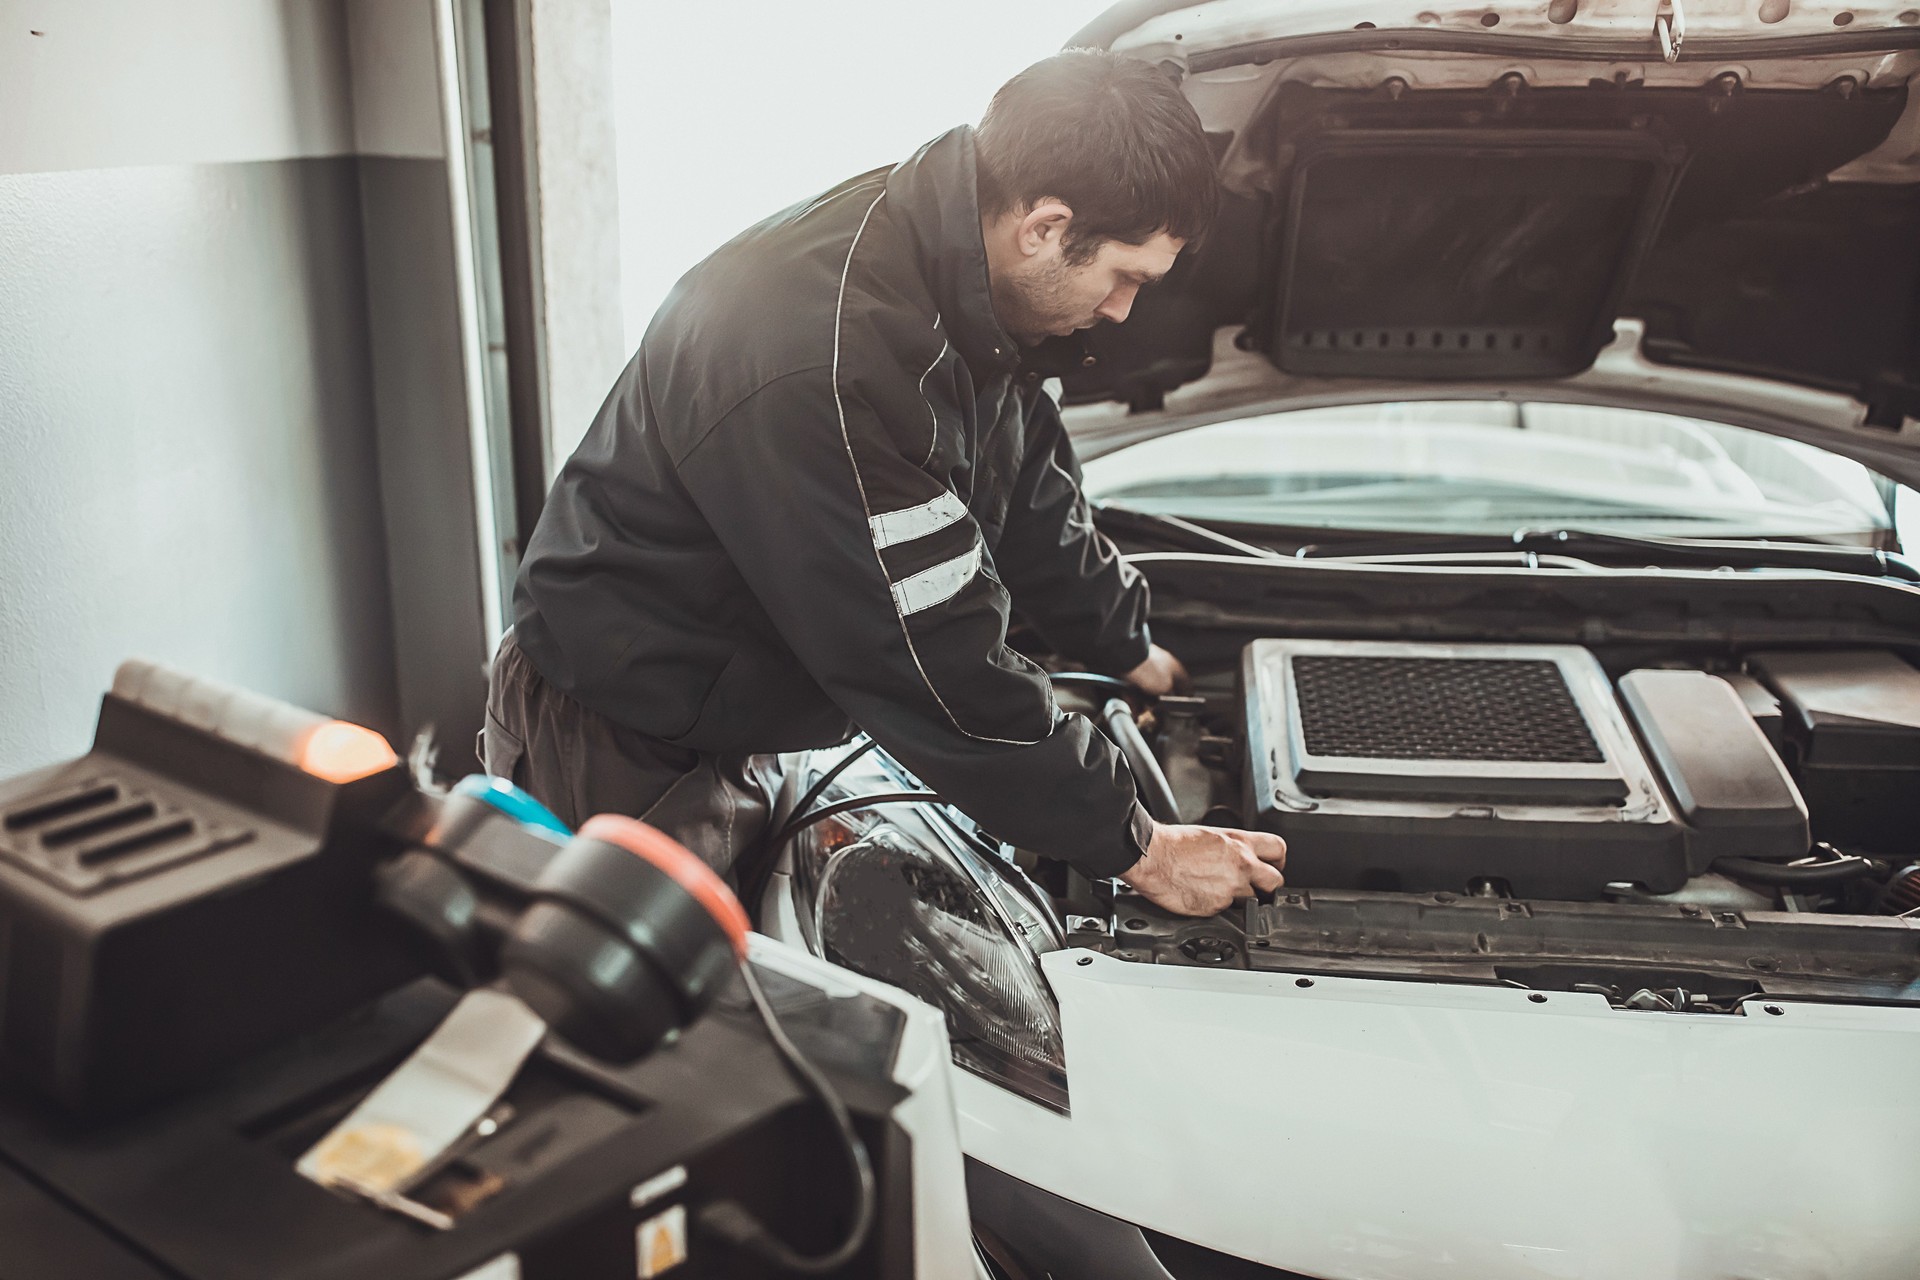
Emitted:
pixel 729 1220
pixel 1148 777
pixel 1787 876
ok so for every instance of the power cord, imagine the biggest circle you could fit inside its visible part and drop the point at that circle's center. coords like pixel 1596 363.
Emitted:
pixel 770 854
pixel 827 779
pixel 767 858
pixel 803 820
pixel 728 1220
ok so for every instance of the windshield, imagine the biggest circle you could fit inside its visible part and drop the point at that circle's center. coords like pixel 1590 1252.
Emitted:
pixel 1491 467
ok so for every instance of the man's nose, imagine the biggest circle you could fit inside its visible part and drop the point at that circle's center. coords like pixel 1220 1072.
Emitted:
pixel 1118 304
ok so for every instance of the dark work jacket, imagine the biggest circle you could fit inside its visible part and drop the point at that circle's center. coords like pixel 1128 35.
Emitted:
pixel 816 494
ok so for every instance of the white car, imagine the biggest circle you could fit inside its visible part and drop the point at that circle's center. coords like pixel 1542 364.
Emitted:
pixel 1522 468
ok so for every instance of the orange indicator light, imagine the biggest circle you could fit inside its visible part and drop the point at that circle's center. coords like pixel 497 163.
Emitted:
pixel 342 752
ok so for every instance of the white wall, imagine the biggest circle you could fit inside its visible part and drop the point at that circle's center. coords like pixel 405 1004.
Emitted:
pixel 730 110
pixel 188 459
pixel 186 423
pixel 94 84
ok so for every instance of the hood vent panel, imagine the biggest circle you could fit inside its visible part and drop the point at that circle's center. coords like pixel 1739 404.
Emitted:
pixel 1463 254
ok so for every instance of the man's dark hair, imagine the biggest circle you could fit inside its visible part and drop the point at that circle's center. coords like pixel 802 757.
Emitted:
pixel 1110 136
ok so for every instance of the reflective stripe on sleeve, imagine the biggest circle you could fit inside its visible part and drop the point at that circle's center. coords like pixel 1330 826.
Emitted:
pixel 934 586
pixel 890 527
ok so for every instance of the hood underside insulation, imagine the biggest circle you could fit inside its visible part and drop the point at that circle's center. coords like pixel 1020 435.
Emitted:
pixel 1498 233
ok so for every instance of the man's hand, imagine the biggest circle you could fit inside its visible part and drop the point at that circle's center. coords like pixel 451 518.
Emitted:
pixel 1160 673
pixel 1197 871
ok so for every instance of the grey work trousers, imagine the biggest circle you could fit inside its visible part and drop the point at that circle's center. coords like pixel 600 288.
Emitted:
pixel 579 763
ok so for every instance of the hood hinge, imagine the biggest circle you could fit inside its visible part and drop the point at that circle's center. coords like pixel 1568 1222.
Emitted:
pixel 1670 28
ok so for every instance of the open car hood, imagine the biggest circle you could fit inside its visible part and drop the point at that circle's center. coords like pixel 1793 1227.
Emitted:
pixel 1484 194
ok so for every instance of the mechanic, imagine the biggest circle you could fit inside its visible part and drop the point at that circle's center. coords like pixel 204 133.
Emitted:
pixel 830 475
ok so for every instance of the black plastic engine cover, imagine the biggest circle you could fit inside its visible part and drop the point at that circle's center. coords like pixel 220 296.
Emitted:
pixel 1426 767
pixel 1852 719
pixel 1727 783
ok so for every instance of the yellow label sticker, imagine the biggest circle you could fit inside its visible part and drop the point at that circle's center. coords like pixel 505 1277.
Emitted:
pixel 371 1158
pixel 660 1243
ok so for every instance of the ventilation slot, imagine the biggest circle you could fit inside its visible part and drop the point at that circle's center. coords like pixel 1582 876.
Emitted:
pixel 74 832
pixel 1435 343
pixel 151 837
pixel 89 795
pixel 102 831
pixel 1441 709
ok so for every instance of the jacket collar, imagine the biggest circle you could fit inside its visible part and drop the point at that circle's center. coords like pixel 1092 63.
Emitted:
pixel 934 190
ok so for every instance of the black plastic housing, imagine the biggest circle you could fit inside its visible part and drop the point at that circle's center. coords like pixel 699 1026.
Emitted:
pixel 235 915
pixel 613 953
pixel 1726 781
pixel 1765 709
pixel 204 1187
pixel 1853 718
pixel 1553 837
pixel 1420 777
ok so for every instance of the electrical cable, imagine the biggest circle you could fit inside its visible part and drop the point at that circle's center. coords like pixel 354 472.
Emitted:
pixel 770 856
pixel 805 820
pixel 767 859
pixel 730 1221
pixel 819 788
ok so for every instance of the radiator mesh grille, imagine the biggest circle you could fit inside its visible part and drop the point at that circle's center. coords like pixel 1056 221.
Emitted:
pixel 1440 709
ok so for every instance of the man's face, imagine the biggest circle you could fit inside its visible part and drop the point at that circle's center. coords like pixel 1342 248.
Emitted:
pixel 1043 295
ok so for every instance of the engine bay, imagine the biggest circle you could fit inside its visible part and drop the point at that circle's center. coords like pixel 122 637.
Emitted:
pixel 1684 835
pixel 1436 767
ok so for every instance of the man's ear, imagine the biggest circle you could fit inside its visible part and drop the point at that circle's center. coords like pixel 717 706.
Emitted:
pixel 1043 225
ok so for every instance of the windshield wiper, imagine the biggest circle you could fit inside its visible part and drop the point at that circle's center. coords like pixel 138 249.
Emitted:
pixel 1711 553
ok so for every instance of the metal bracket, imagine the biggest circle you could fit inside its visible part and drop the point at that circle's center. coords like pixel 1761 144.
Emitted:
pixel 1670 28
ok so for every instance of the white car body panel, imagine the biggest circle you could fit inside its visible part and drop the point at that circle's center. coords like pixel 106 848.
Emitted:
pixel 942 1232
pixel 1359 1129
pixel 1243 384
pixel 1222 24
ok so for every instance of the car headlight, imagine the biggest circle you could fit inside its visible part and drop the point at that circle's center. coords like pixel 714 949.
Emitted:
pixel 898 894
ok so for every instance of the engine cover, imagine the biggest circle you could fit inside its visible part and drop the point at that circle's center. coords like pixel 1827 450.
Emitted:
pixel 1424 767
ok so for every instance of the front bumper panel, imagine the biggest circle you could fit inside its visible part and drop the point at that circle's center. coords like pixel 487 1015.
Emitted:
pixel 1358 1129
